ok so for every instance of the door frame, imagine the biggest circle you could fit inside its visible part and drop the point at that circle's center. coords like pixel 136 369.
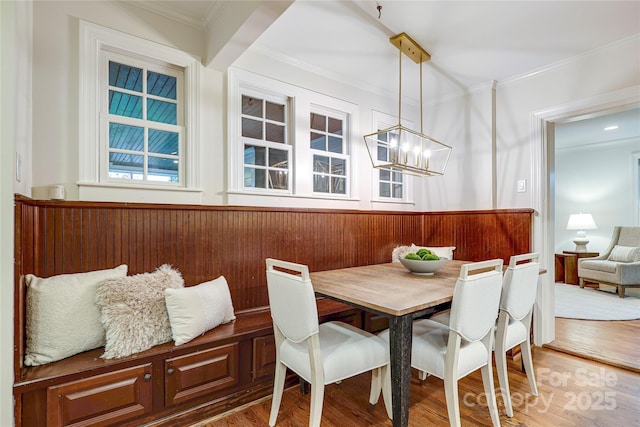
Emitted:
pixel 543 167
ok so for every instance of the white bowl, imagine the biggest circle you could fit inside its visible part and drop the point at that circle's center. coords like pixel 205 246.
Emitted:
pixel 423 267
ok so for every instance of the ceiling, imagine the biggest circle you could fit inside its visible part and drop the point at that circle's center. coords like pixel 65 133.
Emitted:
pixel 472 43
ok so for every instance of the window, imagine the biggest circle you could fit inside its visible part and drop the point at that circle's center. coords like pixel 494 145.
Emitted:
pixel 143 114
pixel 139 114
pixel 267 155
pixel 391 181
pixel 328 148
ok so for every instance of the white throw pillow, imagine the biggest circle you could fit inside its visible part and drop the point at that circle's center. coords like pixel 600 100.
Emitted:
pixel 196 309
pixel 624 254
pixel 61 315
pixel 133 311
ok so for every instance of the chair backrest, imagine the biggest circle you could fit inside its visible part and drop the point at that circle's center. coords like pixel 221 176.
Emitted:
pixel 292 300
pixel 474 308
pixel 520 284
pixel 623 236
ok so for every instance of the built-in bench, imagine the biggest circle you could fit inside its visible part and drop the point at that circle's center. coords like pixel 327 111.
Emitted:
pixel 233 363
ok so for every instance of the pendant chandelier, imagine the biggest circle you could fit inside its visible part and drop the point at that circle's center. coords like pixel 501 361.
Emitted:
pixel 398 147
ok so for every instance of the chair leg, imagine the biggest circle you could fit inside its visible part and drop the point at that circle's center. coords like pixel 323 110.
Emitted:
pixel 422 375
pixel 621 291
pixel 385 373
pixel 487 381
pixel 527 361
pixel 376 386
pixel 451 394
pixel 317 396
pixel 278 388
pixel 503 379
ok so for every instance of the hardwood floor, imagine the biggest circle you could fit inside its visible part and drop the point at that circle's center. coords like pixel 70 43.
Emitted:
pixel 572 392
pixel 615 343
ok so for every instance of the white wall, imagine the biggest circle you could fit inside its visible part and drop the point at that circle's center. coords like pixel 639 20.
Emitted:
pixel 8 16
pixel 596 179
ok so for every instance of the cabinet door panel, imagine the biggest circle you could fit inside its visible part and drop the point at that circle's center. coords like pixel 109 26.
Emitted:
pixel 101 400
pixel 198 374
pixel 264 357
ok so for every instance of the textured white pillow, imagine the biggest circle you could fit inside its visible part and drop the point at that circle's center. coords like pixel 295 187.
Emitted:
pixel 624 254
pixel 62 316
pixel 133 311
pixel 196 309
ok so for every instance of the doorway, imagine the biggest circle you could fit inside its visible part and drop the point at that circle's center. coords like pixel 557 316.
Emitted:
pixel 543 187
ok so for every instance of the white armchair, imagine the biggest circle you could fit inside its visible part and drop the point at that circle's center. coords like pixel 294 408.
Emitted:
pixel 618 266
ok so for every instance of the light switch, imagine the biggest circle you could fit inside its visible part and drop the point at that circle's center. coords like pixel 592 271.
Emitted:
pixel 522 186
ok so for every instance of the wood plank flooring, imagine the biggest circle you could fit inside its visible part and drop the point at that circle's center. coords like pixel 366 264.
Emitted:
pixel 615 343
pixel 572 392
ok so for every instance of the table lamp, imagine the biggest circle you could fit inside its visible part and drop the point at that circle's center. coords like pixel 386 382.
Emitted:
pixel 581 222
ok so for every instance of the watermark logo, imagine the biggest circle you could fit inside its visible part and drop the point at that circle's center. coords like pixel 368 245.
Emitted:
pixel 593 392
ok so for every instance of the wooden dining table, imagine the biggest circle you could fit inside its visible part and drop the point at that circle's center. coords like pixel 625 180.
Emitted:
pixel 392 291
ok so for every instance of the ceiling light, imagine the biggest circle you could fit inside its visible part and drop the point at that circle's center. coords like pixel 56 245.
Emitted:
pixel 398 147
pixel 614 127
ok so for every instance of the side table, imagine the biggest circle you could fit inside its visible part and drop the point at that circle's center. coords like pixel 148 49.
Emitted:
pixel 566 265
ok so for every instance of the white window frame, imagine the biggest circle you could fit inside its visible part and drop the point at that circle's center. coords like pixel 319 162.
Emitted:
pixel 286 146
pixel 300 102
pixel 94 39
pixel 382 121
pixel 345 155
pixel 106 118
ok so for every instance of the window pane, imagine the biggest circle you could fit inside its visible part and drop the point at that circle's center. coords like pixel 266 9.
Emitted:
pixel 125 137
pixel 125 76
pixel 318 122
pixel 397 191
pixel 161 111
pixel 275 112
pixel 275 133
pixel 321 164
pixel 334 126
pixel 382 153
pixel 338 167
pixel 160 169
pixel 385 175
pixel 251 128
pixel 335 144
pixel 318 141
pixel 254 178
pixel 124 104
pixel 251 106
pixel 278 159
pixel 397 175
pixel 254 155
pixel 127 166
pixel 278 180
pixel 321 183
pixel 161 85
pixel 385 189
pixel 337 185
pixel 163 142
pixel 382 137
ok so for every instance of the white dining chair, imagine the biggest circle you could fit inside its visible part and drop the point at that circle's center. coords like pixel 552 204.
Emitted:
pixel 320 354
pixel 519 288
pixel 453 351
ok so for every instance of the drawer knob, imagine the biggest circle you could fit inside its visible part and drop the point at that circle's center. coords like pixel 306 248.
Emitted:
pixel 147 377
pixel 170 371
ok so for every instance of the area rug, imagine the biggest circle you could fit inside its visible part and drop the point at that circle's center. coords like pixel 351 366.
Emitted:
pixel 573 302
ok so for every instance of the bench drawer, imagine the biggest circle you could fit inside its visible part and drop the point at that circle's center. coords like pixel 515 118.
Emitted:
pixel 102 400
pixel 198 374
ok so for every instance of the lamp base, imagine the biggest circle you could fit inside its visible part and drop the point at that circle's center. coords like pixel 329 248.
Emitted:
pixel 581 245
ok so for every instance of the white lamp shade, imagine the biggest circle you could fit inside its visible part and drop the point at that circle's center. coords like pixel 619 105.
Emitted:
pixel 581 222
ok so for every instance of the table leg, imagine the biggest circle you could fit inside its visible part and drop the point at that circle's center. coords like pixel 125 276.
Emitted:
pixel 400 335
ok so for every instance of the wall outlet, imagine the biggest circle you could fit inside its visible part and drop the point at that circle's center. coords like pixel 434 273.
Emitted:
pixel 522 186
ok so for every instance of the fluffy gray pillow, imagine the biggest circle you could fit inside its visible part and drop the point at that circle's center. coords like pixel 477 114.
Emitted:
pixel 62 317
pixel 133 311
